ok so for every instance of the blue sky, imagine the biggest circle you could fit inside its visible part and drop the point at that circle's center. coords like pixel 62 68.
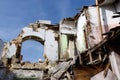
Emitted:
pixel 16 14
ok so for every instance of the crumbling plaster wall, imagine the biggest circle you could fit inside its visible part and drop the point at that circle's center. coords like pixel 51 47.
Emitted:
pixel 67 33
pixel 107 19
pixel 70 34
pixel 42 32
pixel 81 25
pixel 107 12
pixel 51 45
pixel 48 37
pixel 94 36
pixel 38 33
pixel 27 31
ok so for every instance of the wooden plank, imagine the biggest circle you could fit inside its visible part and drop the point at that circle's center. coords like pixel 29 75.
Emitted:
pixel 60 70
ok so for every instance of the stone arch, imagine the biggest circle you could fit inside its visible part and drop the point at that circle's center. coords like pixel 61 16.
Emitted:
pixel 12 49
pixel 46 34
pixel 35 38
pixel 28 33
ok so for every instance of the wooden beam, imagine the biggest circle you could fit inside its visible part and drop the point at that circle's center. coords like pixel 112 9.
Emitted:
pixel 99 18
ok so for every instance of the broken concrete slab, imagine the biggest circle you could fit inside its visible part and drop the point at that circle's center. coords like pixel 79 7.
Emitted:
pixel 115 63
pixel 59 70
pixel 109 76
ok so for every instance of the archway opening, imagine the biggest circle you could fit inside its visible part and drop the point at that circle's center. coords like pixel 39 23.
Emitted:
pixel 32 51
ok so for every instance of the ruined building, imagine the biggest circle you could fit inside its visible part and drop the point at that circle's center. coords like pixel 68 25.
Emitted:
pixel 83 47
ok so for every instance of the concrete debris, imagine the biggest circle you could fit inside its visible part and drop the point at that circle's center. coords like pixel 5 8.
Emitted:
pixel 60 69
pixel 100 76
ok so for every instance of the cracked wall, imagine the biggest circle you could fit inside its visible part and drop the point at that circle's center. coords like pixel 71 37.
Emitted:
pixel 73 49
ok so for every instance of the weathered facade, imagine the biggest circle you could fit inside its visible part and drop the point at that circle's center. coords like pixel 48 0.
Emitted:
pixel 84 47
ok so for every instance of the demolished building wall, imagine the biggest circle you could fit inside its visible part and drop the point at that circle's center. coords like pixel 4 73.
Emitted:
pixel 46 34
pixel 92 30
pixel 38 33
pixel 73 49
pixel 67 38
pixel 107 13
pixel 82 22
